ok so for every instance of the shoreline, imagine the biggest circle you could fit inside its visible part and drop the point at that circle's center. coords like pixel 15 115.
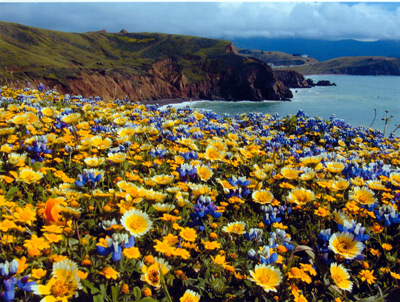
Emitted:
pixel 165 102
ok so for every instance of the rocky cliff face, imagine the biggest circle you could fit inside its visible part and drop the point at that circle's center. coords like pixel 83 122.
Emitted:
pixel 292 79
pixel 226 78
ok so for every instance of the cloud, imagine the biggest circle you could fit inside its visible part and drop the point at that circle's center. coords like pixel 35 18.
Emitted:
pixel 325 20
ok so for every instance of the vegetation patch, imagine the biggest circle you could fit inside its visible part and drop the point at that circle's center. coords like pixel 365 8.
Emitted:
pixel 117 201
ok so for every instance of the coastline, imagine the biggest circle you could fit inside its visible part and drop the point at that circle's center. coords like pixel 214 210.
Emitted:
pixel 165 102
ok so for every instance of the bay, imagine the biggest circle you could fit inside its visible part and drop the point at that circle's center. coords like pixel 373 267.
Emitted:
pixel 355 100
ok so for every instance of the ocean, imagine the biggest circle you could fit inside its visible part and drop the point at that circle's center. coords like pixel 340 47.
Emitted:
pixel 355 99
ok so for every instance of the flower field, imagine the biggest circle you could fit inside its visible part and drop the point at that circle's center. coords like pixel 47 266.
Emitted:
pixel 118 201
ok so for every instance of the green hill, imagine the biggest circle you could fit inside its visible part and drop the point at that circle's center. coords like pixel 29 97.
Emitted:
pixel 352 66
pixel 277 58
pixel 141 66
pixel 34 50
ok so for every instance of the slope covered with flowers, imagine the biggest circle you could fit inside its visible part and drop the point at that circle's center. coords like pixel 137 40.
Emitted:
pixel 117 201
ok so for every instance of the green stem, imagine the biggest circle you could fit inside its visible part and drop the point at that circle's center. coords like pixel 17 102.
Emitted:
pixel 164 285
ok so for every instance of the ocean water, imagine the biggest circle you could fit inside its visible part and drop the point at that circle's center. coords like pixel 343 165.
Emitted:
pixel 355 99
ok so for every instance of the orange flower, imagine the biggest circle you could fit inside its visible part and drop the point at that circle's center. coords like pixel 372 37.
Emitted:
pixel 367 275
pixel 109 273
pixel 395 276
pixel 125 288
pixel 147 292
pixel 387 246
pixel 321 211
pixel 149 259
pixel 296 273
pixel 52 212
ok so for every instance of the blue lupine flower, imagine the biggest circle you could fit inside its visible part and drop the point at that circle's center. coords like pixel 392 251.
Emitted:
pixel 186 172
pixel 275 214
pixel 7 270
pixel 269 260
pixel 9 286
pixel 116 252
pixel 264 256
pixel 89 178
pixel 189 155
pixel 25 285
pixel 387 214
pixel 279 237
pixel 158 152
pixel 254 234
pixel 41 87
pixel 203 207
pixel 38 149
pixel 115 245
pixel 324 235
pixel 13 267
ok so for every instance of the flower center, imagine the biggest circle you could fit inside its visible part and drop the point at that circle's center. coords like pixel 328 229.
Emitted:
pixel 343 247
pixel 236 228
pixel 136 223
pixel 153 276
pixel 59 289
pixel 362 199
pixel 264 279
pixel 338 279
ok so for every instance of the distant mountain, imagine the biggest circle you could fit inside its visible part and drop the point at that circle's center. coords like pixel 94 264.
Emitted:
pixel 139 66
pixel 322 50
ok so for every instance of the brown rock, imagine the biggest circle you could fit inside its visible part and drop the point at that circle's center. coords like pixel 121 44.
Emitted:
pixel 292 79
pixel 224 78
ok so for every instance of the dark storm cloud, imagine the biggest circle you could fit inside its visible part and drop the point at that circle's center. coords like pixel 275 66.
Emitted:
pixel 329 20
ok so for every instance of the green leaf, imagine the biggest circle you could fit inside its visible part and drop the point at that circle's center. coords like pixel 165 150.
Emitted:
pixel 98 298
pixel 293 229
pixel 87 283
pixel 147 299
pixel 103 290
pixel 114 293
pixel 37 166
pixel 73 241
pixel 137 292
pixel 191 281
pixel 207 274
pixel 12 191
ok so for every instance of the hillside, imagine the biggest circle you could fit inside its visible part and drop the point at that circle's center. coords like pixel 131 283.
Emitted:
pixel 277 58
pixel 353 66
pixel 140 66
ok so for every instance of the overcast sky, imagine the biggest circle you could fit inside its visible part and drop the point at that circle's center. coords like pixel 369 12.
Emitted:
pixel 325 20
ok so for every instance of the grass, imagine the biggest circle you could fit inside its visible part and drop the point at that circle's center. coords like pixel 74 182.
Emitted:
pixel 33 50
pixel 353 65
pixel 277 58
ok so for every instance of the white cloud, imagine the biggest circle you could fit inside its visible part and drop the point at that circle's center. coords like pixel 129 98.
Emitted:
pixel 324 20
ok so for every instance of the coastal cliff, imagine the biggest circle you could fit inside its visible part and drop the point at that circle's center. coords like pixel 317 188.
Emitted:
pixel 225 78
pixel 137 66
pixel 292 79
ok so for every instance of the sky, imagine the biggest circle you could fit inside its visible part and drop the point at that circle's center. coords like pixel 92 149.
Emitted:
pixel 366 21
